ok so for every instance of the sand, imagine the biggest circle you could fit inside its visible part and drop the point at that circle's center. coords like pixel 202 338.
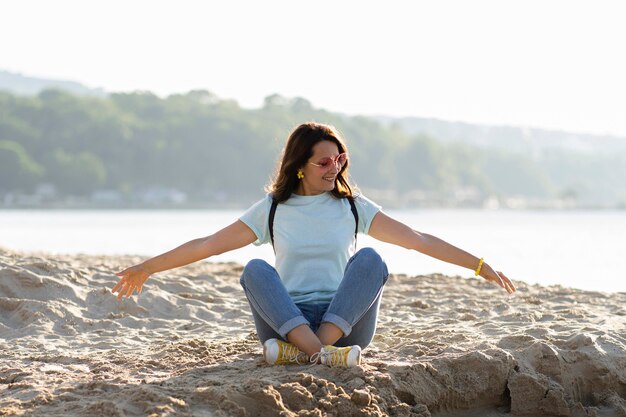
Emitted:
pixel 445 346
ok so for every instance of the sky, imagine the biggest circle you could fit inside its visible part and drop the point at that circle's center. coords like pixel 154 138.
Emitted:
pixel 546 64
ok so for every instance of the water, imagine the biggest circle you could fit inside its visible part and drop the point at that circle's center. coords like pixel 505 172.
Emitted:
pixel 578 249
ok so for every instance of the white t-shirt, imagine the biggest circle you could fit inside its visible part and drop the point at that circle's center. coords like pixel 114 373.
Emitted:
pixel 313 239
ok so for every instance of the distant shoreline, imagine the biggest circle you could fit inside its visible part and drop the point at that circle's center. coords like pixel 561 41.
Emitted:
pixel 236 206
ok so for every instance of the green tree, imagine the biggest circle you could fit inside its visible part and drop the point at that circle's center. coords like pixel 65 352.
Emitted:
pixel 18 171
pixel 78 173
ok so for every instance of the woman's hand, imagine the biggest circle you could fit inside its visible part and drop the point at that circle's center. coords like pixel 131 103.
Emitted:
pixel 499 278
pixel 132 279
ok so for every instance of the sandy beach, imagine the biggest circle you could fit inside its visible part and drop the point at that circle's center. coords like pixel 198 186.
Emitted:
pixel 445 346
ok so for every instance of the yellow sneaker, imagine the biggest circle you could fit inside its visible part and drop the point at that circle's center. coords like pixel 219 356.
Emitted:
pixel 277 352
pixel 339 356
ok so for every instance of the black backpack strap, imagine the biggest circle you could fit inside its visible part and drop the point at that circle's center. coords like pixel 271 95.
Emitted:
pixel 271 221
pixel 356 218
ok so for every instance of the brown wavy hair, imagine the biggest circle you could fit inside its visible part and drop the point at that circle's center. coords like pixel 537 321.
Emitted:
pixel 298 150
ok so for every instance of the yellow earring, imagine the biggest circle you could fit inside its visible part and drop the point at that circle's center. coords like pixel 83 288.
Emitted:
pixel 300 174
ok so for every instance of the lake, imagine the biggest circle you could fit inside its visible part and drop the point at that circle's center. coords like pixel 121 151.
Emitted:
pixel 580 249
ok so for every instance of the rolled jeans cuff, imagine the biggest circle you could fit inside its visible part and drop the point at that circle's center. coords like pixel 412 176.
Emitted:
pixel 343 325
pixel 290 325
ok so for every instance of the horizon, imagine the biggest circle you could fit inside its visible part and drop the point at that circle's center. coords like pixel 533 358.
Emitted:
pixel 543 66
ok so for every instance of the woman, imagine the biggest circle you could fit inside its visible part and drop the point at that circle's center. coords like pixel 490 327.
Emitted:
pixel 319 304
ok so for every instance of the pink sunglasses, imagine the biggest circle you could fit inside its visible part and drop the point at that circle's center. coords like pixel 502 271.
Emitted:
pixel 339 160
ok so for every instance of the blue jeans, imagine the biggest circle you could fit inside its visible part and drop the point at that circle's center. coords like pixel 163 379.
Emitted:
pixel 353 309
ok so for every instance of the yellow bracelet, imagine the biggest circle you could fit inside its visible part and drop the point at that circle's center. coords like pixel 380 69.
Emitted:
pixel 480 265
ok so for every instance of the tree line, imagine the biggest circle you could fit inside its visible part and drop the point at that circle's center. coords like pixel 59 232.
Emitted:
pixel 212 148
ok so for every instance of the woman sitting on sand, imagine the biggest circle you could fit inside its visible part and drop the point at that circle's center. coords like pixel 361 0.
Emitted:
pixel 319 304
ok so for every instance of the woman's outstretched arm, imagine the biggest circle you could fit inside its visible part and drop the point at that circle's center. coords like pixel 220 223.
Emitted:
pixel 232 237
pixel 387 229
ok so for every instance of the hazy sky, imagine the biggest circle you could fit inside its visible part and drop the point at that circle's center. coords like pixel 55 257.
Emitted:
pixel 553 64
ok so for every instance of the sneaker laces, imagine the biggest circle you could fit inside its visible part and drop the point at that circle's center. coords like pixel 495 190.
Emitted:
pixel 292 354
pixel 331 356
pixel 314 357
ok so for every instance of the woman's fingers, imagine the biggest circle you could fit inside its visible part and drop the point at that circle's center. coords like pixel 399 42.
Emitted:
pixel 509 287
pixel 500 282
pixel 122 281
pixel 131 287
pixel 495 278
pixel 122 289
pixel 492 276
pixel 126 291
pixel 119 285
pixel 500 279
pixel 132 280
pixel 125 287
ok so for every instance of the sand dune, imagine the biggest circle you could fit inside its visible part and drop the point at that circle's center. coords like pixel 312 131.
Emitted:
pixel 445 346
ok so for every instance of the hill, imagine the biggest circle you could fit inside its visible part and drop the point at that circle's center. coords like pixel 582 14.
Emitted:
pixel 25 85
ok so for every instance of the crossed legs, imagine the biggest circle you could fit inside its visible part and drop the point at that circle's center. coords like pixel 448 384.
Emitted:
pixel 355 305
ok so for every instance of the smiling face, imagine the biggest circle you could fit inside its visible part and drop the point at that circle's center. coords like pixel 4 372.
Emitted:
pixel 318 179
pixel 319 151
